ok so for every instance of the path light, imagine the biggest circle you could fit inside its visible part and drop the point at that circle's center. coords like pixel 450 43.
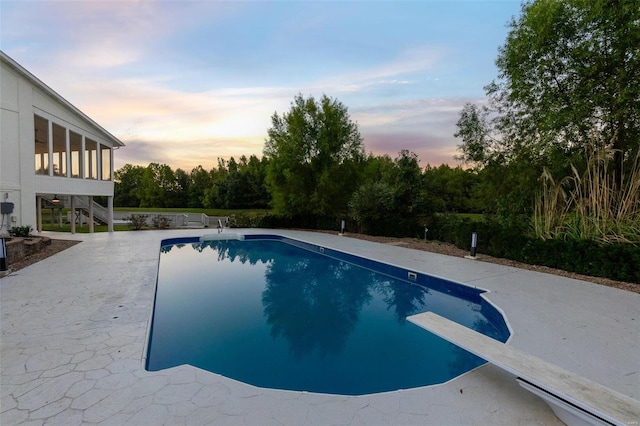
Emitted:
pixel 342 226
pixel 474 245
pixel 3 256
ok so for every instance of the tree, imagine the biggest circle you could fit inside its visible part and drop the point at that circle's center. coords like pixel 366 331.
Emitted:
pixel 407 184
pixel 200 181
pixel 158 187
pixel 180 194
pixel 253 174
pixel 390 199
pixel 448 189
pixel 314 153
pixel 569 76
pixel 127 184
pixel 372 205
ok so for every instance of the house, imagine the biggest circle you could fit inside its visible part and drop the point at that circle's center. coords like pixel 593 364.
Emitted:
pixel 51 155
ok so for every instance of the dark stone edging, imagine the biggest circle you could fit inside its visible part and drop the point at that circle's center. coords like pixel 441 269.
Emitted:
pixel 18 248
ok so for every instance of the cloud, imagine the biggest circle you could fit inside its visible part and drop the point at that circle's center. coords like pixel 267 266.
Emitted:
pixel 111 60
pixel 186 155
pixel 408 67
pixel 424 126
pixel 430 148
pixel 188 129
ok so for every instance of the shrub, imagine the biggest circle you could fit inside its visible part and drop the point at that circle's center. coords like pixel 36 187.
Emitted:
pixel 241 220
pixel 589 205
pixel 21 231
pixel 161 222
pixel 616 261
pixel 137 221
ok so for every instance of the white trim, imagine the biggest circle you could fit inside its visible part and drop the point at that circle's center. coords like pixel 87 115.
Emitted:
pixel 49 91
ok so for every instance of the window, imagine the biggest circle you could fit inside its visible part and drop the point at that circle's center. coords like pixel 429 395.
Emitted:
pixel 75 146
pixel 90 159
pixel 41 127
pixel 59 150
pixel 105 159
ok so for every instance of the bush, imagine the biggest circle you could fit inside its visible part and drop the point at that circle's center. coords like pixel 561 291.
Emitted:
pixel 20 231
pixel 616 261
pixel 241 220
pixel 160 222
pixel 137 221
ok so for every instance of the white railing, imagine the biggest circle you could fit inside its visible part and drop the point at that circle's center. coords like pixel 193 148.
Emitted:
pixel 100 213
pixel 178 219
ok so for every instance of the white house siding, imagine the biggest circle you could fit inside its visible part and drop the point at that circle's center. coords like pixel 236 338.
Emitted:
pixel 15 126
pixel 22 97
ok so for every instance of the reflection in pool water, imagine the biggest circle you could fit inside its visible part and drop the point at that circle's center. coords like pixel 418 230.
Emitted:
pixel 271 314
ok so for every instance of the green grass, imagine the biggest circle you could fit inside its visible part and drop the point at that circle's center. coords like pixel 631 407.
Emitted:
pixel 66 227
pixel 208 212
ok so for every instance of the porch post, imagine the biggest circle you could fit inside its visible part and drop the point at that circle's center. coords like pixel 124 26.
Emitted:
pixel 50 142
pixel 110 213
pixel 38 213
pixel 73 214
pixel 90 213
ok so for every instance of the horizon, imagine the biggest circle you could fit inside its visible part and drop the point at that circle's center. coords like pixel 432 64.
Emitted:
pixel 186 83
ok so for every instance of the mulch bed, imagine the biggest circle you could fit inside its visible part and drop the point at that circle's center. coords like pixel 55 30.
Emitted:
pixel 451 250
pixel 57 246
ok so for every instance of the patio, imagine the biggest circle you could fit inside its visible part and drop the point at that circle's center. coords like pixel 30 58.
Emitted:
pixel 74 330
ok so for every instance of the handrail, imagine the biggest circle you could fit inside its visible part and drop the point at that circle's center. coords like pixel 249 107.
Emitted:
pixel 99 212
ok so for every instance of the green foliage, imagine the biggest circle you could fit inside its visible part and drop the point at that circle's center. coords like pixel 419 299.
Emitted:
pixel 127 181
pixel 161 222
pixel 20 231
pixel 200 182
pixel 137 221
pixel 569 77
pixel 372 206
pixel 66 227
pixel 243 220
pixel 238 184
pixel 393 199
pixel 314 153
pixel 159 187
pixel 587 205
pixel 617 261
pixel 232 185
pixel 449 189
pixel 571 66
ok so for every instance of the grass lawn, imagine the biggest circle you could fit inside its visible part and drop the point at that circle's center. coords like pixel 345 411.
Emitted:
pixel 208 212
pixel 66 227
pixel 84 229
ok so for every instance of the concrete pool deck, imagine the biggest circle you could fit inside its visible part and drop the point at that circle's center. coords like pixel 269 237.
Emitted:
pixel 74 328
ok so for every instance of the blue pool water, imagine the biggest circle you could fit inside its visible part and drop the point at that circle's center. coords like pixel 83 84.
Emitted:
pixel 279 313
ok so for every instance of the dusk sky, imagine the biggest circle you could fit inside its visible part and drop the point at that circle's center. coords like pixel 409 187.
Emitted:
pixel 186 82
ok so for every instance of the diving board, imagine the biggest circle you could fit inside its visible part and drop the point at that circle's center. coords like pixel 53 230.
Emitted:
pixel 573 398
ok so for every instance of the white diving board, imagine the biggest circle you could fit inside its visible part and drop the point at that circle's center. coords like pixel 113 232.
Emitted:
pixel 573 398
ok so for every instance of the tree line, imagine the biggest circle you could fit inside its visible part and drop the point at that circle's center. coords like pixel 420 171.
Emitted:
pixel 390 186
pixel 555 147
pixel 231 185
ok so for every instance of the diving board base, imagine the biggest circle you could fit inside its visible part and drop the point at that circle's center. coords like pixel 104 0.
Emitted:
pixel 568 413
pixel 576 400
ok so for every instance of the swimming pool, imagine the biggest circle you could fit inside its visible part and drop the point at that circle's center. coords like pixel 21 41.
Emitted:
pixel 280 313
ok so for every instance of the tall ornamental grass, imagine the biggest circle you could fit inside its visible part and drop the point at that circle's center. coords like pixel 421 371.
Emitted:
pixel 588 206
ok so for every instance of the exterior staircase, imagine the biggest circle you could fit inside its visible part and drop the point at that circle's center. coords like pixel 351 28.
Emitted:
pixel 100 214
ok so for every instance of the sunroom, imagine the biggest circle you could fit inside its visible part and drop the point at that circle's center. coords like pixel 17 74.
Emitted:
pixel 52 156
